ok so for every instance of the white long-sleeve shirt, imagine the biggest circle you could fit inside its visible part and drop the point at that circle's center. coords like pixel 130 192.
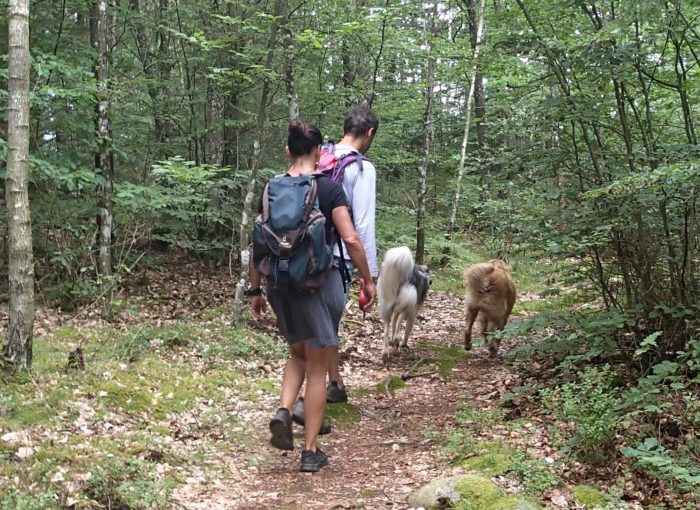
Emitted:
pixel 360 185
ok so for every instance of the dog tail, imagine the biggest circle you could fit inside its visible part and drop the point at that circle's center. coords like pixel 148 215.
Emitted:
pixel 474 277
pixel 397 269
pixel 407 298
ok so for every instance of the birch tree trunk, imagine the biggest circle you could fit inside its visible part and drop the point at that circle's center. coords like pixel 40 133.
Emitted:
pixel 289 82
pixel 18 350
pixel 467 122
pixel 428 134
pixel 244 248
pixel 104 162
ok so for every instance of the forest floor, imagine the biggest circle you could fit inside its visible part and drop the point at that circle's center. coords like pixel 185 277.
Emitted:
pixel 173 404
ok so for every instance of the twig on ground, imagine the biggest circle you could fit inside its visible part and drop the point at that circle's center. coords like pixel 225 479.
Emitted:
pixel 408 376
pixel 354 321
pixel 387 387
pixel 388 442
pixel 395 502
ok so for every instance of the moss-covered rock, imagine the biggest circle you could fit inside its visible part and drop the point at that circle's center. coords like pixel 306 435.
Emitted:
pixel 480 493
pixel 476 493
pixel 491 459
pixel 588 496
pixel 514 503
pixel 342 414
pixel 439 492
pixel 393 384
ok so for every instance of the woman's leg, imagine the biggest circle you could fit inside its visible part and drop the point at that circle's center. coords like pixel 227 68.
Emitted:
pixel 317 361
pixel 293 376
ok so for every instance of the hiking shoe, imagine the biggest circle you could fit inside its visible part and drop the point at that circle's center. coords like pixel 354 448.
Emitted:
pixel 311 462
pixel 298 417
pixel 281 428
pixel 336 393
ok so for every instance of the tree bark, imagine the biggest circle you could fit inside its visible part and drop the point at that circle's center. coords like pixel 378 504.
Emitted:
pixel 244 249
pixel 104 161
pixel 428 135
pixel 18 350
pixel 289 82
pixel 476 21
pixel 467 122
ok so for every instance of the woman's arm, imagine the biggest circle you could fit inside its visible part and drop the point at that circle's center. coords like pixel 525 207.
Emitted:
pixel 346 231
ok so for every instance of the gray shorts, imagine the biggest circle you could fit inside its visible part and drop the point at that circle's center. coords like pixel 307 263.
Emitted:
pixel 313 316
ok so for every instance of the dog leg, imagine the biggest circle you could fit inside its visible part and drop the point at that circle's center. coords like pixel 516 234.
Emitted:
pixel 469 323
pixel 410 320
pixel 493 343
pixel 385 350
pixel 396 324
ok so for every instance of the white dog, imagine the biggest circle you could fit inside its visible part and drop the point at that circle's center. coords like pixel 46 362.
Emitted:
pixel 401 289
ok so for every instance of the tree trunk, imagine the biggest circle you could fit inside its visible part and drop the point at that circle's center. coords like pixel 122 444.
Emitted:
pixel 18 350
pixel 104 162
pixel 289 82
pixel 465 138
pixel 475 21
pixel 428 134
pixel 244 259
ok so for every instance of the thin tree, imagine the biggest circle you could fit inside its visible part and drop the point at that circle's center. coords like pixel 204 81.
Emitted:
pixel 244 249
pixel 104 161
pixel 18 350
pixel 428 135
pixel 467 122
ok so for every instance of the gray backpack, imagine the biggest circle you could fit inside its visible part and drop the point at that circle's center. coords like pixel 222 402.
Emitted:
pixel 290 246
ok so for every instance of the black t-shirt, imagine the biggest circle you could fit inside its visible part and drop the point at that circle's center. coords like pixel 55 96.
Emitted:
pixel 330 195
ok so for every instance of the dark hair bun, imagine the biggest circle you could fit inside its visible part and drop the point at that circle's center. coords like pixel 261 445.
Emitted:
pixel 297 128
pixel 303 138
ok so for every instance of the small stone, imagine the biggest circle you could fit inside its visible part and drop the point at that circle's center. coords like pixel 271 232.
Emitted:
pixel 15 438
pixel 25 452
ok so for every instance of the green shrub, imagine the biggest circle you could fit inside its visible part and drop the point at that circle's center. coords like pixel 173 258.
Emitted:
pixel 16 499
pixel 592 405
pixel 129 483
pixel 653 457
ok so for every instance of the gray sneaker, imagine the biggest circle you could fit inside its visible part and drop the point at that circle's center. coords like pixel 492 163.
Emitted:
pixel 281 428
pixel 298 417
pixel 311 462
pixel 336 393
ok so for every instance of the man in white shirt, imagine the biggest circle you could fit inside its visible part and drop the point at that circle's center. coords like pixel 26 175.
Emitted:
pixel 360 185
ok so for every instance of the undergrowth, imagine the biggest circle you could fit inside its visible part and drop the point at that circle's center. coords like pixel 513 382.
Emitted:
pixel 101 434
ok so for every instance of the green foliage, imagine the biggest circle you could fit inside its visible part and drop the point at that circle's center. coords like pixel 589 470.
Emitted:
pixel 535 475
pixel 653 457
pixel 591 403
pixel 127 481
pixel 16 499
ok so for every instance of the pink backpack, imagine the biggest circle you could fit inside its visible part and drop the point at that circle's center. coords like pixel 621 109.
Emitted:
pixel 334 166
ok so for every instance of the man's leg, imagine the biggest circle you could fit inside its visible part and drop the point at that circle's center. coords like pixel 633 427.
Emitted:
pixel 334 366
pixel 317 361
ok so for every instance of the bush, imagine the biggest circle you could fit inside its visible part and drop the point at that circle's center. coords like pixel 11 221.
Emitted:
pixel 591 404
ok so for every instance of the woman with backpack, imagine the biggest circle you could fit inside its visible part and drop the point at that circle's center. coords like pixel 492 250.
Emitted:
pixel 308 319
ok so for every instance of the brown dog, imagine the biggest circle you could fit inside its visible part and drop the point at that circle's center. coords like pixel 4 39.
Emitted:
pixel 491 295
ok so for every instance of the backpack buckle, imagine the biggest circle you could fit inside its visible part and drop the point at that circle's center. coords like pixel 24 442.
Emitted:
pixel 283 264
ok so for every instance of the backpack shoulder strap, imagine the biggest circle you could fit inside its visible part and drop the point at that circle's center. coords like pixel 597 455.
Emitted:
pixel 311 196
pixel 352 157
pixel 266 203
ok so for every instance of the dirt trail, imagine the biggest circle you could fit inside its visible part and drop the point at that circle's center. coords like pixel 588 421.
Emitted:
pixel 376 461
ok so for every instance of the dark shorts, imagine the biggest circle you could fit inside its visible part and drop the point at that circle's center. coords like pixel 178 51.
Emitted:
pixel 313 316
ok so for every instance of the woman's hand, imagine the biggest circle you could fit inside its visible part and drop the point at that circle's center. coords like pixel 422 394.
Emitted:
pixel 258 306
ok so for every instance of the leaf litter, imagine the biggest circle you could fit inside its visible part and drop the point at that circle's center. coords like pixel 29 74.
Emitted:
pixel 394 448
